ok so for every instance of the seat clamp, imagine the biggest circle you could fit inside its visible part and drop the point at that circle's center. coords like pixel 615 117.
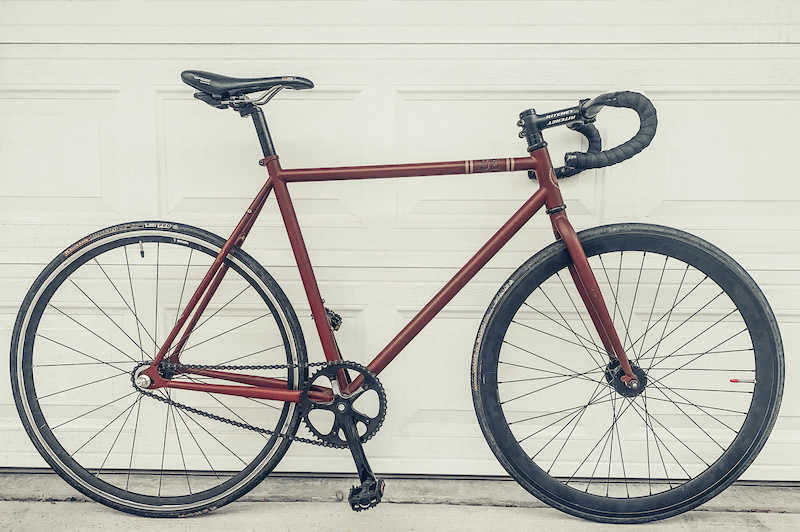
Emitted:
pixel 556 209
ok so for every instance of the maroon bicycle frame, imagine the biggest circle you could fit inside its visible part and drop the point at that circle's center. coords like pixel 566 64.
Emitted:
pixel 547 195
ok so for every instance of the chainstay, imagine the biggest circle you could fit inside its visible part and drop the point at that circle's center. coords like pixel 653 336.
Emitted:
pixel 221 419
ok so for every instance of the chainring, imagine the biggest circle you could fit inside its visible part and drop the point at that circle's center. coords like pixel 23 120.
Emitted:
pixel 367 403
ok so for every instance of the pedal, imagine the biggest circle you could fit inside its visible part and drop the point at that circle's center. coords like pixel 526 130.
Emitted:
pixel 367 495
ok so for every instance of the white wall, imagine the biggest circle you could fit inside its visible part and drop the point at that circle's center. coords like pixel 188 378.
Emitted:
pixel 96 128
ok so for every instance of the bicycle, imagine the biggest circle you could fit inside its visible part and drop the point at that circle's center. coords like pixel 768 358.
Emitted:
pixel 160 370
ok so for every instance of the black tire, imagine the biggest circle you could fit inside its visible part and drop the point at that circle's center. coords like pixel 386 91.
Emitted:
pixel 550 403
pixel 100 309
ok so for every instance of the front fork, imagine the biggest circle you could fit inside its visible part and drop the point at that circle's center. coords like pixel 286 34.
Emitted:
pixel 580 270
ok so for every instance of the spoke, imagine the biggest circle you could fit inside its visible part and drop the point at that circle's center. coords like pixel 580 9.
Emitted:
pixel 220 309
pixel 226 407
pixel 199 448
pixel 225 332
pixel 704 410
pixel 695 338
pixel 52 429
pixel 575 422
pixel 183 286
pixel 615 295
pixel 610 444
pixel 661 444
pixel 633 303
pixel 76 451
pixel 180 450
pixel 653 307
pixel 581 340
pixel 619 276
pixel 684 322
pixel 669 316
pixel 687 402
pixel 572 375
pixel 82 385
pixel 646 419
pixel 552 423
pixel 194 330
pixel 138 346
pixel 717 370
pixel 97 360
pixel 557 364
pixel 570 409
pixel 251 354
pixel 710 390
pixel 597 349
pixel 92 332
pixel 135 315
pixel 600 350
pixel 614 433
pixel 139 324
pixel 694 421
pixel 133 444
pixel 262 402
pixel 534 379
pixel 677 440
pixel 155 318
pixel 709 352
pixel 602 439
pixel 116 438
pixel 69 364
pixel 552 374
pixel 164 445
pixel 647 447
pixel 189 416
pixel 577 416
pixel 666 314
pixel 656 441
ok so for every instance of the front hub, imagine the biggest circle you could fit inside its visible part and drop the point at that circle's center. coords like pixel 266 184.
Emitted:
pixel 614 376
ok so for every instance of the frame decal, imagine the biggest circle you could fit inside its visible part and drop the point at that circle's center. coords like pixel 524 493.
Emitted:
pixel 489 165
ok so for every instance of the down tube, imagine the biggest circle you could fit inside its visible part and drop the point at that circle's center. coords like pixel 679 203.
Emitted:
pixel 458 281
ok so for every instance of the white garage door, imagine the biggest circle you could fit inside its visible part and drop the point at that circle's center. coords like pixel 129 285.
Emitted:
pixel 96 128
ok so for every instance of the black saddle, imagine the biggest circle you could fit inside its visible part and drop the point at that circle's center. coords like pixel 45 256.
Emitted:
pixel 223 87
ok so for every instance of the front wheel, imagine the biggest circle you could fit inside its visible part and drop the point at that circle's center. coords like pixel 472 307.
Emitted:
pixel 99 311
pixel 699 334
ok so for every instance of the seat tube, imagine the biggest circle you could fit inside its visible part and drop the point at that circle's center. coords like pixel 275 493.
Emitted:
pixel 318 312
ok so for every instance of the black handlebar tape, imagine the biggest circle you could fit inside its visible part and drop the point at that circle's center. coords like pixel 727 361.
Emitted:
pixel 595 146
pixel 647 130
pixel 592 135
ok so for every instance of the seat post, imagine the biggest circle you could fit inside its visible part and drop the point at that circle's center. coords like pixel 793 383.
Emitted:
pixel 263 132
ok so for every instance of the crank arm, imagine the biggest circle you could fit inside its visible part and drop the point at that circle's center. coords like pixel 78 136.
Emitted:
pixel 345 420
pixel 370 492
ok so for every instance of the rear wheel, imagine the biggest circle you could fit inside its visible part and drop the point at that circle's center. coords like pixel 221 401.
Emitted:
pixel 100 310
pixel 700 336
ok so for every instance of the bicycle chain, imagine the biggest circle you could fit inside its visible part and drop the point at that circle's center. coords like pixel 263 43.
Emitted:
pixel 239 424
